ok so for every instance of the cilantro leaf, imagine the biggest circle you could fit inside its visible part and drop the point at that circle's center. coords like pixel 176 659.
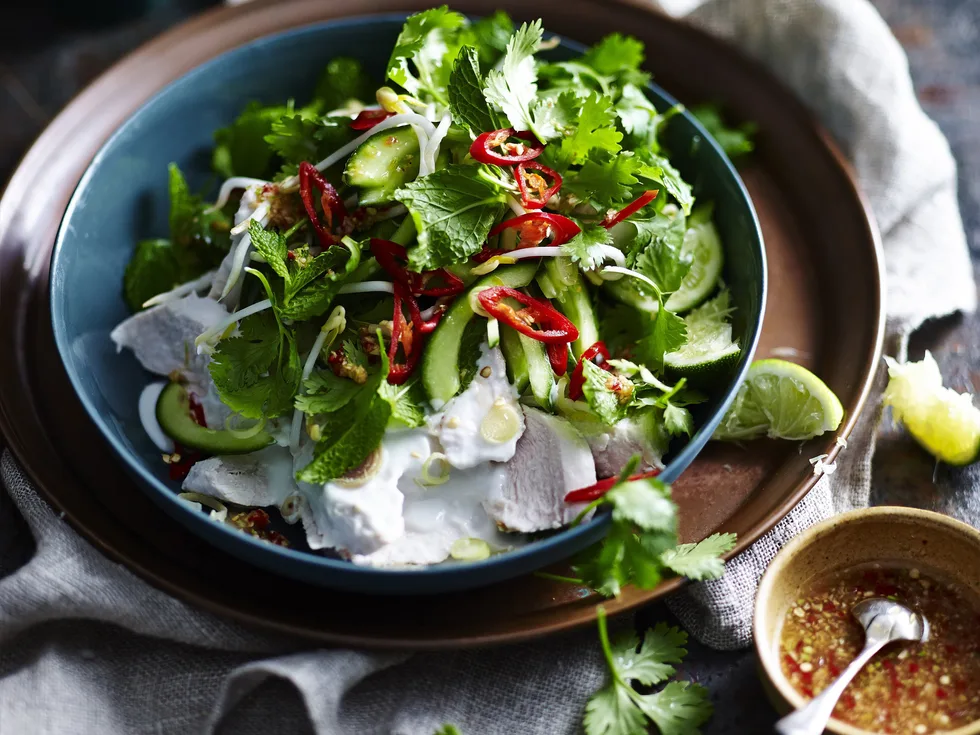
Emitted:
pixel 407 403
pixel 325 392
pixel 424 42
pixel 657 250
pixel 555 115
pixel 453 210
pixel 151 270
pixel 514 86
pixel 596 129
pixel 618 709
pixel 301 137
pixel 650 665
pixel 645 503
pixel 240 148
pixel 448 730
pixel 661 171
pixel 466 101
pixel 615 54
pixel 669 333
pixel 678 420
pixel 734 141
pixel 606 180
pixel 342 80
pixel 586 247
pixel 677 709
pixel 701 560
pixel 257 373
pixel 608 395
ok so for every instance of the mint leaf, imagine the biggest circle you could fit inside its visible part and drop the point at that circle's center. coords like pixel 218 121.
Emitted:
pixel 734 141
pixel 342 80
pixel 608 395
pixel 701 560
pixel 419 60
pixel 555 115
pixel 453 210
pixel 152 270
pixel 257 373
pixel 466 101
pixel 678 709
pixel 586 247
pixel 325 392
pixel 513 87
pixel 606 180
pixel 596 130
pixel 200 240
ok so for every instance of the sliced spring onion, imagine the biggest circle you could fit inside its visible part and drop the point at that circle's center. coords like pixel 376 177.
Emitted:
pixel 243 433
pixel 183 289
pixel 368 287
pixel 204 338
pixel 431 151
pixel 493 333
pixel 474 298
pixel 501 424
pixel 229 185
pixel 292 508
pixel 148 416
pixel 219 511
pixel 469 549
pixel 427 477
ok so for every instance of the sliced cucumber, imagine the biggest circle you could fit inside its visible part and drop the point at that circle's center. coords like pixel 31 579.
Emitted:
pixel 440 363
pixel 702 241
pixel 514 357
pixel 174 415
pixel 540 374
pixel 574 301
pixel 383 163
pixel 625 291
pixel 709 352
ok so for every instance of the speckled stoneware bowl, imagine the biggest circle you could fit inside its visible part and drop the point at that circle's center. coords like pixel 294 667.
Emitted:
pixel 884 534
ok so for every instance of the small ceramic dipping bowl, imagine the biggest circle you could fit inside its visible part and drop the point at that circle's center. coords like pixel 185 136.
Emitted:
pixel 888 535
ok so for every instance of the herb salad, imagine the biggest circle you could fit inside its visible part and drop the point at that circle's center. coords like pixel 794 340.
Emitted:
pixel 430 319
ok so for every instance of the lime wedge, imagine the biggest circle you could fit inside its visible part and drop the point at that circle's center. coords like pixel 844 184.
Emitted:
pixel 783 401
pixel 944 422
pixel 709 351
pixel 702 241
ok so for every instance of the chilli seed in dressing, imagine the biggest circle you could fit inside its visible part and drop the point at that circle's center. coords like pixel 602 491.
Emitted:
pixel 930 687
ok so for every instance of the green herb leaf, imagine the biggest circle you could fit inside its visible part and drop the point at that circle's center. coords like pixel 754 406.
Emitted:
pixel 677 709
pixel 466 101
pixel 200 240
pixel 301 137
pixel 342 80
pixel 448 730
pixel 734 141
pixel 596 130
pixel 701 560
pixel 615 54
pixel 152 270
pixel 651 664
pixel 407 403
pixel 606 180
pixel 669 333
pixel 608 395
pixel 424 42
pixel 645 503
pixel 513 87
pixel 325 392
pixel 661 171
pixel 678 420
pixel 240 148
pixel 586 247
pixel 611 711
pixel 257 373
pixel 657 250
pixel 555 115
pixel 453 210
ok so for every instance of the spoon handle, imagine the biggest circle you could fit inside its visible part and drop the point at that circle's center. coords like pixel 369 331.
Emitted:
pixel 812 719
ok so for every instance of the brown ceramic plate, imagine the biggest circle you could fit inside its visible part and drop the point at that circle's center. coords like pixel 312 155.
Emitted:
pixel 824 302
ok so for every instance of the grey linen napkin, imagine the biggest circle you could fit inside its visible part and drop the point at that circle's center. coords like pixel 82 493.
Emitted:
pixel 86 647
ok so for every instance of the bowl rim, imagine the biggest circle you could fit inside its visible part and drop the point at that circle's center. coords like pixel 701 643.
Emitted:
pixel 338 570
pixel 766 656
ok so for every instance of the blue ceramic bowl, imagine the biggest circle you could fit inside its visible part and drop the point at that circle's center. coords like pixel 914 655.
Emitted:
pixel 123 198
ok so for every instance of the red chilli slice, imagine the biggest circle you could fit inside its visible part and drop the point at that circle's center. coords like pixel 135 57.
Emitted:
pixel 598 354
pixel 330 201
pixel 562 228
pixel 630 209
pixel 554 327
pixel 531 184
pixel 558 357
pixel 596 491
pixel 484 148
pixel 367 119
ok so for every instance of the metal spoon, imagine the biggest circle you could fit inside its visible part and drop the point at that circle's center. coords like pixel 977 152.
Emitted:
pixel 884 621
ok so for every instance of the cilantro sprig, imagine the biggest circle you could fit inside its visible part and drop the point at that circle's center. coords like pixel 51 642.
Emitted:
pixel 678 708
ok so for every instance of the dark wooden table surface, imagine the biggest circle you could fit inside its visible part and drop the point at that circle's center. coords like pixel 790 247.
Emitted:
pixel 47 55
